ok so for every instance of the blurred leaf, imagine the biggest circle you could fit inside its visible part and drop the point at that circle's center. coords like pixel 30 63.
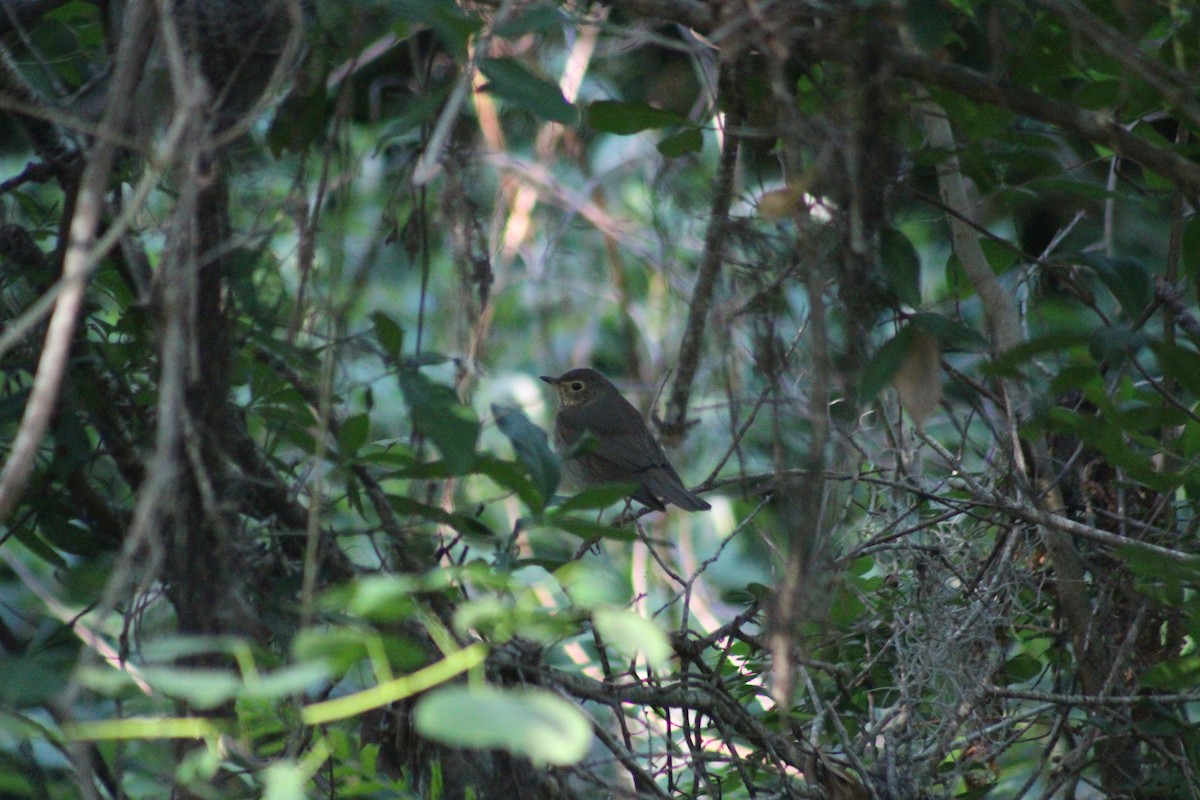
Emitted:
pixel 1172 577
pixel 353 434
pixel 287 681
pixel 1177 674
pixel 388 333
pixel 597 497
pixel 444 17
pixel 338 648
pixel 68 536
pixel 1110 440
pixel 170 648
pixel 688 140
pixel 299 119
pixel 1128 281
pixel 513 476
pixel 780 203
pixel 587 529
pixel 415 112
pixel 380 598
pixel 201 688
pixel 285 780
pixel 1021 668
pixel 918 380
pixel 901 266
pixel 460 522
pixel 1180 363
pixel 931 25
pixel 38 547
pixel 532 447
pixel 533 723
pixel 1010 362
pixel 34 678
pixel 952 334
pixel 1113 344
pixel 513 82
pixel 883 366
pixel 532 19
pixel 439 416
pixel 632 634
pixel 612 116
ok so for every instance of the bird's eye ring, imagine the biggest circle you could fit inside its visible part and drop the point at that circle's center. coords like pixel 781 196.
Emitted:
pixel 576 387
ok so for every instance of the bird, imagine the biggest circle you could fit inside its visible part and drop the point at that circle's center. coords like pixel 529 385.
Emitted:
pixel 620 448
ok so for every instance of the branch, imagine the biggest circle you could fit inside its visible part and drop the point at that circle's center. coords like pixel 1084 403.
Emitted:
pixel 81 254
pixel 1099 128
pixel 1096 127
pixel 27 107
pixel 1086 700
pixel 1171 85
pixel 676 423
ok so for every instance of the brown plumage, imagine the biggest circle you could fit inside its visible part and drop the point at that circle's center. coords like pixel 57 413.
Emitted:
pixel 624 450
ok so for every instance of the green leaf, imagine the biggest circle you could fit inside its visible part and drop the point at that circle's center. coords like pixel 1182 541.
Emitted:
pixel 446 20
pixel 512 475
pixel 513 82
pixel 417 111
pixel 952 334
pixel 67 536
pixel 379 598
pixel 1168 579
pixel 202 688
pixel 460 522
pixel 173 647
pixel 1174 675
pixel 632 634
pixel 388 333
pixel 300 119
pixel 688 140
pixel 38 547
pixel 1180 363
pixel 285 780
pixel 353 434
pixel 290 680
pixel 598 497
pixel 931 25
pixel 612 116
pixel 536 19
pixel 587 529
pixel 34 678
pixel 534 723
pixel 1109 439
pixel 1128 281
pixel 337 649
pixel 439 416
pixel 884 365
pixel 532 447
pixel 1008 363
pixel 1113 344
pixel 1021 668
pixel 901 266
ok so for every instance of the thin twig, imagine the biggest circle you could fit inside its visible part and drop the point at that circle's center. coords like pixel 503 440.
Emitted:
pixel 676 423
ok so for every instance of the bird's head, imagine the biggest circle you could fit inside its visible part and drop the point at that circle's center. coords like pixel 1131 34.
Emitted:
pixel 579 386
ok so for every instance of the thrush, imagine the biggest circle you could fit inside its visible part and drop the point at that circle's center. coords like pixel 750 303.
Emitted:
pixel 620 449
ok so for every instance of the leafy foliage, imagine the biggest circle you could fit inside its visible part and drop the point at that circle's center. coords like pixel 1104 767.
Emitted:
pixel 279 514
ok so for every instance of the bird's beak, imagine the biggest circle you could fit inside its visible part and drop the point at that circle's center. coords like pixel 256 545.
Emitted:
pixel 549 380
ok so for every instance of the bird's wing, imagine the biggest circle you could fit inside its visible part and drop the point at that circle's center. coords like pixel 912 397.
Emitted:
pixel 627 457
pixel 629 453
pixel 665 483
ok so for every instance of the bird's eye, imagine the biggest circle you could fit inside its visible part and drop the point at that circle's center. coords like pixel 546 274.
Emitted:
pixel 576 387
